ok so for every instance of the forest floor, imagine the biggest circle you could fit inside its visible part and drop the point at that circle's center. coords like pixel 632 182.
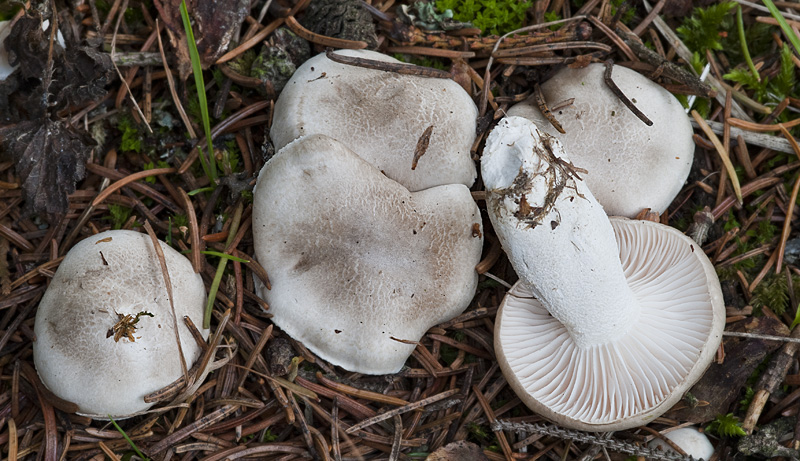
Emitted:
pixel 82 152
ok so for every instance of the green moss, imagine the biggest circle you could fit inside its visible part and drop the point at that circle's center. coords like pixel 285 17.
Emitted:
pixel 495 17
pixel 706 28
pixel 726 426
pixel 550 16
pixel 131 136
pixel 118 215
pixel 151 166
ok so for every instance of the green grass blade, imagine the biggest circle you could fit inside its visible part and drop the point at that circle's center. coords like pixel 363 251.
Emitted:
pixel 743 41
pixel 210 166
pixel 128 439
pixel 225 256
pixel 784 26
pixel 212 291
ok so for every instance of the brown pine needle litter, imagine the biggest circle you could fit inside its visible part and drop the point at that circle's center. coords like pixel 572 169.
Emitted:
pixel 255 393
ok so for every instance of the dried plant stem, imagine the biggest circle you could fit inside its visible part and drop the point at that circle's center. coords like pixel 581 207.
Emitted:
pixel 168 283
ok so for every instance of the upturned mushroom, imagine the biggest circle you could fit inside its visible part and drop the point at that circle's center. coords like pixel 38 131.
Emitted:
pixel 104 328
pixel 612 321
pixel 417 130
pixel 629 165
pixel 360 268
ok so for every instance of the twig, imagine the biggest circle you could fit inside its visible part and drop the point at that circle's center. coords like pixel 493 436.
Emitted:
pixel 168 282
pixel 722 154
pixel 401 410
pixel 619 94
pixel 399 68
pixel 539 97
pixel 757 139
pixel 323 40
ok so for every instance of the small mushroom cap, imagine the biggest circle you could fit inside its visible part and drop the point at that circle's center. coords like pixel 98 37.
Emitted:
pixel 630 166
pixel 691 440
pixel 102 277
pixel 357 263
pixel 381 116
pixel 633 380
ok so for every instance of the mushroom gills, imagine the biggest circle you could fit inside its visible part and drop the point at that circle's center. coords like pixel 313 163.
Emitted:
pixel 611 320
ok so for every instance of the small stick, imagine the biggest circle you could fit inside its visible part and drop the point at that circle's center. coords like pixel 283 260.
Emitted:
pixel 619 94
pixel 422 146
pixel 323 40
pixel 405 69
pixel 337 453
pixel 163 263
pixel 404 409
pixel 539 96
pixel 723 154
pixel 394 455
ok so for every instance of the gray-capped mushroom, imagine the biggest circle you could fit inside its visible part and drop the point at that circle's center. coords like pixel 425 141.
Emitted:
pixel 360 267
pixel 383 117
pixel 104 328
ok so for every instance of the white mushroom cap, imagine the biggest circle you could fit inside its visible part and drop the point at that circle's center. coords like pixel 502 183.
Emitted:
pixel 381 117
pixel 631 166
pixel 607 328
pixel 357 263
pixel 106 275
pixel 691 440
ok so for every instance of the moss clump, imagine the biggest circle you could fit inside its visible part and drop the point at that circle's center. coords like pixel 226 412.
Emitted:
pixel 495 17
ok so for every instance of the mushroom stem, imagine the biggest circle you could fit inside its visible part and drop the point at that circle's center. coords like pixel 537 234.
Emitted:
pixel 547 219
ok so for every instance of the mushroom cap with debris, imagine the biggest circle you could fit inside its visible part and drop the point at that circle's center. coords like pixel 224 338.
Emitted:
pixel 360 268
pixel 612 321
pixel 630 166
pixel 87 352
pixel 381 116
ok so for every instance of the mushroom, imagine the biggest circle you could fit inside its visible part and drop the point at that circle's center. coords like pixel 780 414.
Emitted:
pixel 612 320
pixel 630 166
pixel 360 268
pixel 385 117
pixel 693 442
pixel 104 328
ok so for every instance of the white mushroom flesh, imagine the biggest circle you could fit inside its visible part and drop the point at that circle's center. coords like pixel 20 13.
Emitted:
pixel 360 267
pixel 590 346
pixel 570 232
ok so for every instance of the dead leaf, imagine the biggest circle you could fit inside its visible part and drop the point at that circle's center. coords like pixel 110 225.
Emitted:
pixel 213 26
pixel 50 158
